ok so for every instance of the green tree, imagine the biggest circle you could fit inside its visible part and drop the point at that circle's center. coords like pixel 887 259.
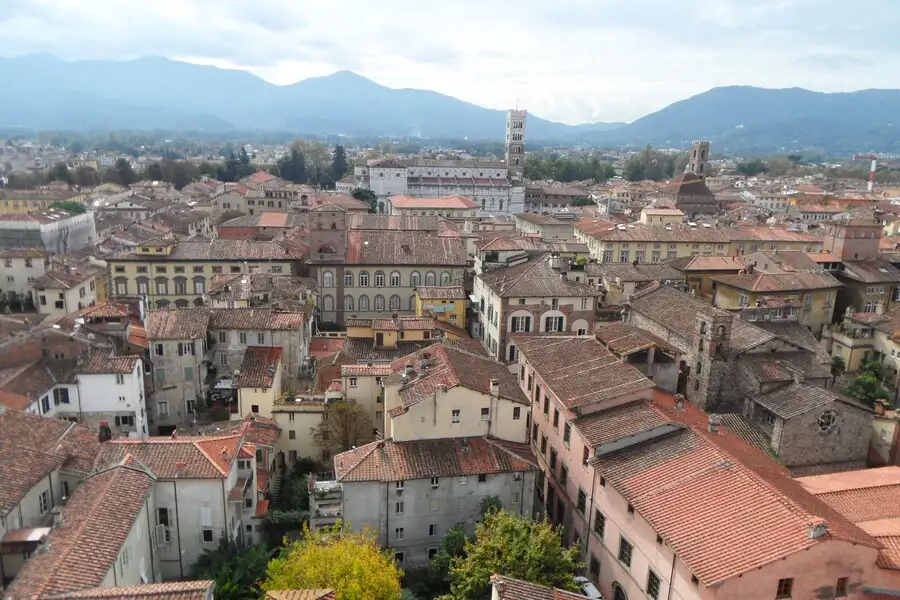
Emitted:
pixel 86 177
pixel 680 163
pixel 125 173
pixel 867 387
pixel 60 172
pixel 490 504
pixel 208 169
pixel 73 207
pixel 338 163
pixel 75 147
pixel 350 563
pixel 292 166
pixel 838 366
pixel 515 546
pixel 634 169
pixel 752 167
pixel 366 196
pixel 344 425
pixel 236 568
pixel 583 201
pixel 153 172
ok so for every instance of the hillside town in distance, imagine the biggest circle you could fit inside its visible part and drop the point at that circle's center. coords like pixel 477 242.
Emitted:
pixel 691 380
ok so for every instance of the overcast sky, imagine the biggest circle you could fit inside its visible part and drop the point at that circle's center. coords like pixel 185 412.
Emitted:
pixel 566 60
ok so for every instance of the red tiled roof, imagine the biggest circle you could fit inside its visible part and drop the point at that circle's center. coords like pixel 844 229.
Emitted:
pixel 516 589
pixel 203 457
pixel 578 370
pixel 257 430
pixel 449 366
pixel 177 590
pixel 305 594
pixel 364 370
pixel 21 468
pixel 397 461
pixel 262 508
pixel 403 248
pixel 325 346
pixel 442 203
pixel 272 219
pixel 255 318
pixel 449 292
pixel 721 488
pixel 261 177
pixel 95 523
pixel 259 367
pixel 404 324
pixel 107 363
pixel 177 324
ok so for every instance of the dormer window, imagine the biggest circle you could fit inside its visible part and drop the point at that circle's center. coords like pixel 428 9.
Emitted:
pixel 702 327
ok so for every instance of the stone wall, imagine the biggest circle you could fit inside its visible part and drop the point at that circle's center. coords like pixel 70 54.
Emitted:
pixel 800 441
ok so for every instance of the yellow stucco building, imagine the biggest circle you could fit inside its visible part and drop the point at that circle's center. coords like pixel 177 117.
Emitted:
pixel 446 304
pixel 177 273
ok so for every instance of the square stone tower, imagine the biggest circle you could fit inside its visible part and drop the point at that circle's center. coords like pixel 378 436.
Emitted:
pixel 699 159
pixel 515 143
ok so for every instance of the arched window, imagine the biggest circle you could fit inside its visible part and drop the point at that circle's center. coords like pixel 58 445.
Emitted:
pixel 379 303
pixel 348 302
pixel 198 301
pixel 162 304
pixel 395 279
pixel 868 307
pixel 415 279
pixel 363 303
pixel 445 278
pixel 702 327
pixel 327 279
pixel 395 302
pixel 363 279
pixel 143 285
pixel 412 303
pixel 429 278
pixel 327 303
pixel 348 279
pixel 379 278
pixel 181 303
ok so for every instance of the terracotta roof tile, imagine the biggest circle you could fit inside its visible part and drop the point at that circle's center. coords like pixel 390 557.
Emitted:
pixel 722 488
pixel 107 363
pixel 516 589
pixel 396 461
pixel 450 366
pixel 622 338
pixel 259 367
pixel 255 318
pixel 95 523
pixel 579 370
pixel 22 468
pixel 183 590
pixel 179 590
pixel 366 370
pixel 204 457
pixel 306 594
pixel 76 445
pixel 256 430
pixel 403 248
pixel 779 282
pixel 403 324
pixel 449 292
pixel 798 398
pixel 534 278
pixel 619 422
pixel 177 324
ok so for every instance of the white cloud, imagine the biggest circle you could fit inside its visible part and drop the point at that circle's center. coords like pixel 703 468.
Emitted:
pixel 568 60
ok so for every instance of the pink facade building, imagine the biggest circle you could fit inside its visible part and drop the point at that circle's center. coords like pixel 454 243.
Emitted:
pixel 665 504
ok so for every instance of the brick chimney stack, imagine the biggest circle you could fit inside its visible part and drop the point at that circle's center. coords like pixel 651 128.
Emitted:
pixel 180 469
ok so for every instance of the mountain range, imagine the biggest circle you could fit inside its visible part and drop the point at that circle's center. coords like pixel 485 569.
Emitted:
pixel 42 92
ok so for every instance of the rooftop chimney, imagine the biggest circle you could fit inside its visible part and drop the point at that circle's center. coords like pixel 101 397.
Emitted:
pixel 311 483
pixel 408 371
pixel 180 469
pixel 714 422
pixel 495 387
pixel 679 402
pixel 174 433
pixel 105 433
pixel 818 528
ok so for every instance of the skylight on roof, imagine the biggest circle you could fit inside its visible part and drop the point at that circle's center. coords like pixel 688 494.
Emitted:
pixel 882 269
